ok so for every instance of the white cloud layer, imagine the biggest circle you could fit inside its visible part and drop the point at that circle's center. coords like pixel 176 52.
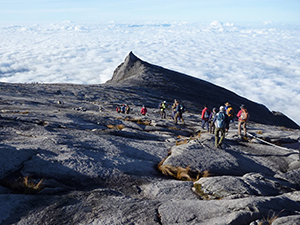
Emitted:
pixel 261 63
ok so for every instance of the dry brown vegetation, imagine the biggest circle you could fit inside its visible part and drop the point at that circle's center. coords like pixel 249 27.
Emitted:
pixel 23 185
pixel 200 192
pixel 118 127
pixel 138 121
pixel 186 140
pixel 271 218
pixel 180 173
pixel 28 183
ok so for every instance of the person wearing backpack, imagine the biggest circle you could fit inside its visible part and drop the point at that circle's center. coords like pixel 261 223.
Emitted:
pixel 118 109
pixel 229 111
pixel 243 117
pixel 162 107
pixel 211 121
pixel 123 108
pixel 174 106
pixel 205 117
pixel 143 110
pixel 221 121
pixel 127 109
pixel 179 110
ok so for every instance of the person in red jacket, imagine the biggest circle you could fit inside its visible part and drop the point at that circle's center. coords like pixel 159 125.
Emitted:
pixel 205 117
pixel 243 117
pixel 143 110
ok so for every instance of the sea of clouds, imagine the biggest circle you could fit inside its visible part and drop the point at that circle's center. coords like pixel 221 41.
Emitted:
pixel 258 61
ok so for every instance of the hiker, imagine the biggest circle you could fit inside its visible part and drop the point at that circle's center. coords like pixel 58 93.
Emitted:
pixel 143 110
pixel 205 117
pixel 162 107
pixel 211 121
pixel 179 110
pixel 127 109
pixel 118 109
pixel 123 108
pixel 221 121
pixel 174 106
pixel 229 111
pixel 243 116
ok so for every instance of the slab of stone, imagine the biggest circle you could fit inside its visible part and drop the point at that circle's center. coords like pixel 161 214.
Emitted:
pixel 235 212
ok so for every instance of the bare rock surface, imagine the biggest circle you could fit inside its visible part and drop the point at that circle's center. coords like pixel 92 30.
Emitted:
pixel 67 157
pixel 236 211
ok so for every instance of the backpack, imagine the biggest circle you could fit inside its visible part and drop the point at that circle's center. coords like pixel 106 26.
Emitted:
pixel 220 120
pixel 206 114
pixel 244 115
pixel 230 112
pixel 181 108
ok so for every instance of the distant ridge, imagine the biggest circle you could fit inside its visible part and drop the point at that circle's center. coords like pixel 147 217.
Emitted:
pixel 167 84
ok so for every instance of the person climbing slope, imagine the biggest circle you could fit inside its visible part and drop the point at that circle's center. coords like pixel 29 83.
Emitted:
pixel 211 121
pixel 229 111
pixel 221 121
pixel 243 117
pixel 143 110
pixel 163 106
pixel 179 111
pixel 205 117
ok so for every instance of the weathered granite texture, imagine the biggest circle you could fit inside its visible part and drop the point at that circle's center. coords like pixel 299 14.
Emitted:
pixel 67 157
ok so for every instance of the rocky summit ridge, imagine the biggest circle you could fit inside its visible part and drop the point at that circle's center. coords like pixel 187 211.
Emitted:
pixel 67 156
pixel 194 92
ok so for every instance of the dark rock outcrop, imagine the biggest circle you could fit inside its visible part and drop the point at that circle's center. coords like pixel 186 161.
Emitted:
pixel 195 93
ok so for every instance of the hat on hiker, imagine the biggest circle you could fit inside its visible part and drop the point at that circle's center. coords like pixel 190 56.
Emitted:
pixel 222 108
pixel 242 106
pixel 227 104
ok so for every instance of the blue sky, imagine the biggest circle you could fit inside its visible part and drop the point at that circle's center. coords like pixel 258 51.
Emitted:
pixel 45 11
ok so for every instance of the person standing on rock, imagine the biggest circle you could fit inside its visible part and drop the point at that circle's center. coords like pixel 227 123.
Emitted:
pixel 174 106
pixel 221 121
pixel 179 111
pixel 118 109
pixel 205 117
pixel 162 108
pixel 229 111
pixel 123 108
pixel 127 109
pixel 143 110
pixel 243 116
pixel 211 121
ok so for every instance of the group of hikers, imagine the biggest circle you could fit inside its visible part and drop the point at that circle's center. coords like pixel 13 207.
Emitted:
pixel 123 109
pixel 177 110
pixel 218 122
pixel 214 121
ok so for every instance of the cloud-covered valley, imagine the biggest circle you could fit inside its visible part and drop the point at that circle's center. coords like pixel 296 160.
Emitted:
pixel 260 62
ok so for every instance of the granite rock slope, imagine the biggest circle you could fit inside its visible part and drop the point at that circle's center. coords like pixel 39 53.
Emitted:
pixel 67 157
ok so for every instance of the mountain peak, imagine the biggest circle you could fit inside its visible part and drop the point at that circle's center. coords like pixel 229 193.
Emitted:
pixel 130 68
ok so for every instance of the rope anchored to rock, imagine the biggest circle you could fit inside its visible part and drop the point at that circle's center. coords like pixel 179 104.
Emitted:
pixel 266 142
